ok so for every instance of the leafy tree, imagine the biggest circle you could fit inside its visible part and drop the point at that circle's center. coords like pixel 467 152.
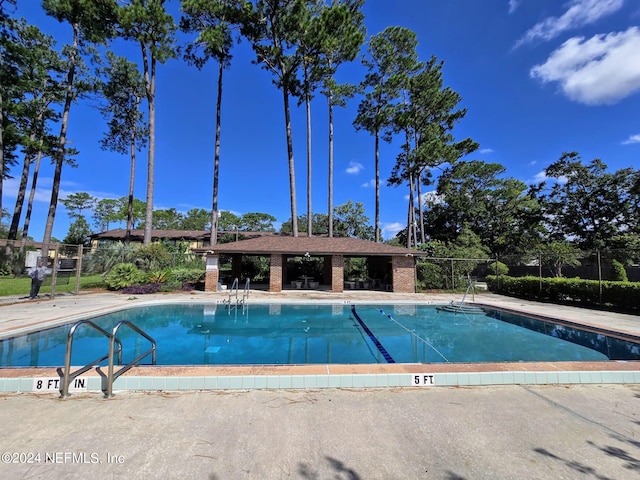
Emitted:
pixel 427 118
pixel 169 219
pixel 79 232
pixel 105 213
pixel 345 32
pixel 499 210
pixel 228 221
pixel 34 87
pixel 320 224
pixel 214 22
pixel 257 222
pixel 196 219
pixel 351 221
pixel 127 132
pixel 91 22
pixel 586 201
pixel 389 53
pixel 147 23
pixel 557 254
pixel 309 39
pixel 273 29
pixel 76 203
pixel 5 79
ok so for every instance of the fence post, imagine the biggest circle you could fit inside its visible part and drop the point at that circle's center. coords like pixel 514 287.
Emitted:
pixel 599 278
pixel 540 275
pixel 453 280
pixel 78 270
pixel 54 272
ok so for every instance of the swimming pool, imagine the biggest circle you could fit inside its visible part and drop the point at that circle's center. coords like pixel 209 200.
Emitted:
pixel 274 334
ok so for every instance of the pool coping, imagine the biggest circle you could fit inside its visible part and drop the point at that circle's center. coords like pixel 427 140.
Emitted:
pixel 181 378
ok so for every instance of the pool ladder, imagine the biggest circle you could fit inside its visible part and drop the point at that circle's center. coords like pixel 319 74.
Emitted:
pixel 115 348
pixel 238 301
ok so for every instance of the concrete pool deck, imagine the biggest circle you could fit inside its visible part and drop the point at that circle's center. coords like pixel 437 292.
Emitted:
pixel 450 432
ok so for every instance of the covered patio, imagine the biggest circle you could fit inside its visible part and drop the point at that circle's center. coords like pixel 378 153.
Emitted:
pixel 388 268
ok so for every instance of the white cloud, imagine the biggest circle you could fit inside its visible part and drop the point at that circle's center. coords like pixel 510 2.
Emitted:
pixel 542 177
pixel 432 198
pixel 600 70
pixel 513 5
pixel 486 150
pixel 578 14
pixel 632 139
pixel 389 230
pixel 354 168
pixel 532 163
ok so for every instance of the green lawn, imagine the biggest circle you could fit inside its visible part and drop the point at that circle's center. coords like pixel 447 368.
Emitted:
pixel 22 285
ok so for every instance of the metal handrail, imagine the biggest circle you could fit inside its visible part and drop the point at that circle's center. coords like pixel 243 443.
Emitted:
pixel 111 375
pixel 245 295
pixel 67 376
pixel 234 285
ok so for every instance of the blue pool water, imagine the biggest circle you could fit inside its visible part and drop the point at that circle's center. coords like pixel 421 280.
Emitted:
pixel 205 334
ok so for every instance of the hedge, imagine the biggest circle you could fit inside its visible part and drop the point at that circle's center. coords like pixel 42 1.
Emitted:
pixel 618 295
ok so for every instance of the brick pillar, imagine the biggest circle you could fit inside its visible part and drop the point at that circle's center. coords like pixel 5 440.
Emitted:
pixel 404 274
pixel 275 273
pixel 337 273
pixel 212 274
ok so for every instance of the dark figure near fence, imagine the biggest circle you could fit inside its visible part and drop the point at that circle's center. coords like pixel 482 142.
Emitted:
pixel 37 274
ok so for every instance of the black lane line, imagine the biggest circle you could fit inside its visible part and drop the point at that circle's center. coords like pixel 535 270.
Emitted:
pixel 378 345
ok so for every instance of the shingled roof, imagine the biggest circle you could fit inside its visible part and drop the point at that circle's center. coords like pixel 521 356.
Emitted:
pixel 312 245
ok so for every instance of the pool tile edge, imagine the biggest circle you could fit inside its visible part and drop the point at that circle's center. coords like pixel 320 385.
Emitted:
pixel 341 380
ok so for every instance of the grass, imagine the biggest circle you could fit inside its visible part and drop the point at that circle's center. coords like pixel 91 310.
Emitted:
pixel 22 285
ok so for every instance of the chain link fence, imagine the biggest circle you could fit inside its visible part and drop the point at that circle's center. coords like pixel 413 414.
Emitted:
pixel 601 265
pixel 17 258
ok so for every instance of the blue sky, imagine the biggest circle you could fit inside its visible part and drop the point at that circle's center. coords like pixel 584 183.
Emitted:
pixel 538 78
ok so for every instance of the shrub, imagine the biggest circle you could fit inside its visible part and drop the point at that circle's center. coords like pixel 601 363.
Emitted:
pixel 618 272
pixel 161 276
pixel 123 275
pixel 619 295
pixel 498 268
pixel 430 276
pixel 188 275
pixel 142 289
pixel 153 257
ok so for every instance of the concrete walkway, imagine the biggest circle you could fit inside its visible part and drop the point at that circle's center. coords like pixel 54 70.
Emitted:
pixel 512 432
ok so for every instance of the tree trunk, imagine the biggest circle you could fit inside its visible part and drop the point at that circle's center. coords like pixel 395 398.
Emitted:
pixel 62 141
pixel 410 214
pixel 132 174
pixel 32 195
pixel 292 172
pixel 150 87
pixel 377 168
pixel 420 207
pixel 308 107
pixel 1 148
pixel 216 160
pixel 22 190
pixel 330 207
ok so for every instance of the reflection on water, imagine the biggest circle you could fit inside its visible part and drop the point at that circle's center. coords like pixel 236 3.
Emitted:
pixel 210 334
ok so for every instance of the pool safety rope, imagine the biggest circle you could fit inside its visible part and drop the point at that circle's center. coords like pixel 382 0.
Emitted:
pixel 373 338
pixel 411 332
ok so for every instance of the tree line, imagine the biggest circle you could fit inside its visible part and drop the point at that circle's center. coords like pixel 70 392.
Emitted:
pixel 349 219
pixel 302 43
